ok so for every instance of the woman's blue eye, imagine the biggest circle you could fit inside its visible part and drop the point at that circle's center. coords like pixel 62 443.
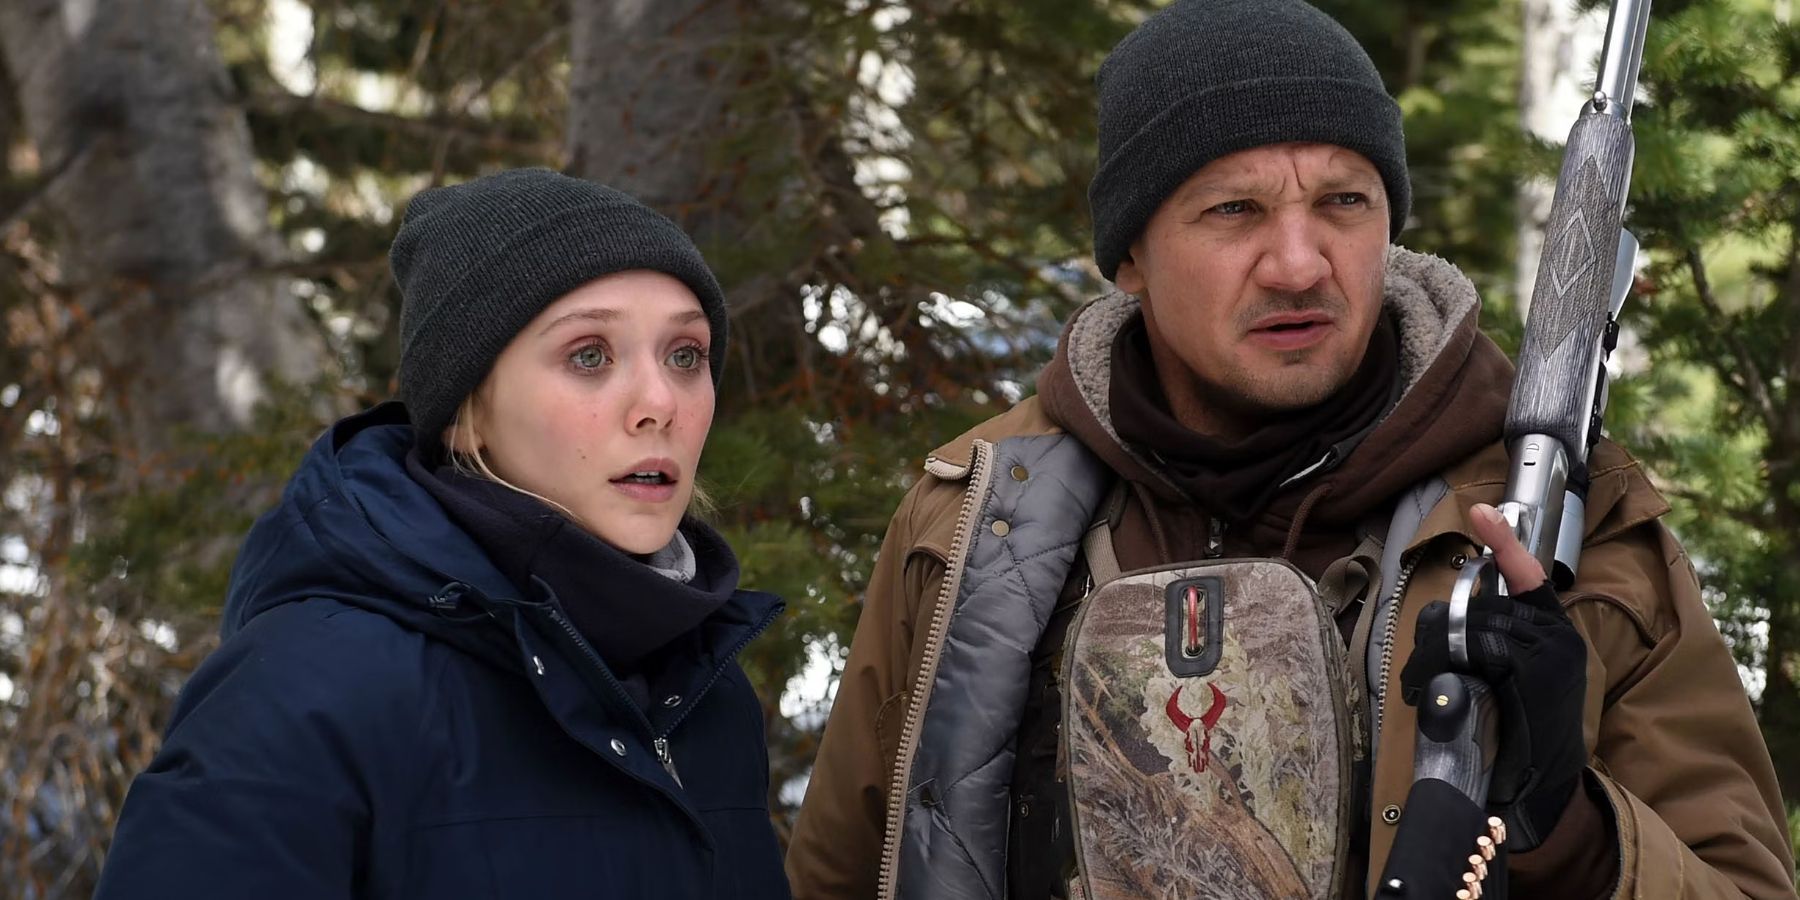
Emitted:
pixel 589 357
pixel 687 358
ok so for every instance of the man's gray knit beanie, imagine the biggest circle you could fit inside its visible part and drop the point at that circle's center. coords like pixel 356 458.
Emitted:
pixel 477 261
pixel 1203 79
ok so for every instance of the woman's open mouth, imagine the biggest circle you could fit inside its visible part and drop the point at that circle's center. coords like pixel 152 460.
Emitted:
pixel 649 481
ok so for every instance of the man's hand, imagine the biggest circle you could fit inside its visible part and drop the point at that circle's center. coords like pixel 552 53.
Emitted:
pixel 1527 650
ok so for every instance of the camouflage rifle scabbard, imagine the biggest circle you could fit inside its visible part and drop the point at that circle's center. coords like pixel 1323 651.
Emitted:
pixel 1208 743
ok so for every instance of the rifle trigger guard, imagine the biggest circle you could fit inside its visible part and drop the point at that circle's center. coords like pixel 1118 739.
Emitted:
pixel 1476 575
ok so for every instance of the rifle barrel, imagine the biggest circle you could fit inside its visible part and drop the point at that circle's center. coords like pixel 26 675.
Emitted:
pixel 1623 56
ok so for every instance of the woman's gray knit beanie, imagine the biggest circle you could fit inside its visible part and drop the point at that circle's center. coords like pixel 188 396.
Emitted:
pixel 477 261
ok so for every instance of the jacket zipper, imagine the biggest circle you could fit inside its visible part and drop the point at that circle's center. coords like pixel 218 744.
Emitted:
pixel 668 762
pixel 658 741
pixel 1388 628
pixel 934 647
pixel 1215 538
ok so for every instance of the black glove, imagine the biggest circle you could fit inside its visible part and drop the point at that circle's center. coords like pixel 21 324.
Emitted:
pixel 1528 651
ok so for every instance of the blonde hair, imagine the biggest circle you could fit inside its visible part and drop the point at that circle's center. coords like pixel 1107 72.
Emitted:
pixel 472 463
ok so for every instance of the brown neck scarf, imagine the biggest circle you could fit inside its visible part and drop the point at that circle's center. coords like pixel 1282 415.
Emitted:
pixel 1237 481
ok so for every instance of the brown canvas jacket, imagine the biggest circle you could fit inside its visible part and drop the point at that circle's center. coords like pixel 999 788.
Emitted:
pixel 1687 783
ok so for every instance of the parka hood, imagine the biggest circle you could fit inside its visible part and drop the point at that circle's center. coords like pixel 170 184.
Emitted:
pixel 353 526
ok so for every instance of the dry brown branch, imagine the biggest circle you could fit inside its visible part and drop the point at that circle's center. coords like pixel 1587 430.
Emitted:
pixel 462 129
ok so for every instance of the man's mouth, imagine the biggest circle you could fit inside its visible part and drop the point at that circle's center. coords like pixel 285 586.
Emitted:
pixel 1290 321
pixel 1290 331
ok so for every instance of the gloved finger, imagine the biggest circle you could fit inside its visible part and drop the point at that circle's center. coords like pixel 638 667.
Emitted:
pixel 1430 653
pixel 1431 638
pixel 1490 639
pixel 1544 601
pixel 1434 618
pixel 1512 761
pixel 1521 570
pixel 1495 653
pixel 1491 604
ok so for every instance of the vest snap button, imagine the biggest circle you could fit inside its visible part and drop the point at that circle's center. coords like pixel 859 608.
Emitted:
pixel 1001 528
pixel 618 746
pixel 1019 473
pixel 673 701
pixel 1390 814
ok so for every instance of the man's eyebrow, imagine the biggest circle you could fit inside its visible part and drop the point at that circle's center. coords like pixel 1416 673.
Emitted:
pixel 1251 186
pixel 1347 181
pixel 601 315
pixel 1227 185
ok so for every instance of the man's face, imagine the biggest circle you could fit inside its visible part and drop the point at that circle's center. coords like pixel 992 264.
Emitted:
pixel 1261 280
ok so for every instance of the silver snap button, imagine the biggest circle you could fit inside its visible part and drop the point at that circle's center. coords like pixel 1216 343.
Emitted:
pixel 1001 528
pixel 539 664
pixel 618 746
pixel 673 701
pixel 1390 814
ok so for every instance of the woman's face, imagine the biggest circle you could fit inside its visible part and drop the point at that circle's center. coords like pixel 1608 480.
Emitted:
pixel 602 404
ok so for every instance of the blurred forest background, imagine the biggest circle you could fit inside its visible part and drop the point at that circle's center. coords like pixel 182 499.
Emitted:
pixel 196 198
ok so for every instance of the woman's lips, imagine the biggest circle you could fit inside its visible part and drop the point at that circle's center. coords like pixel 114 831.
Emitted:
pixel 662 475
pixel 646 492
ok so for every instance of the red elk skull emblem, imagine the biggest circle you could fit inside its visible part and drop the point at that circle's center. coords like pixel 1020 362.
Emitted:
pixel 1198 754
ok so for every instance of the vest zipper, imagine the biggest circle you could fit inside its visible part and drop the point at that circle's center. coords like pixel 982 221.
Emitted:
pixel 1215 538
pixel 966 520
pixel 1388 629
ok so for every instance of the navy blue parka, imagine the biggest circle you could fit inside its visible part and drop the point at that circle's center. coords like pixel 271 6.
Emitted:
pixel 388 718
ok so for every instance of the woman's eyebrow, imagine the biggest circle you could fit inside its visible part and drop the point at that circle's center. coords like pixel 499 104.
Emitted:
pixel 606 315
pixel 593 315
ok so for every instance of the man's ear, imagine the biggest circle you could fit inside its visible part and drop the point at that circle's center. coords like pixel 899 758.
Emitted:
pixel 1128 278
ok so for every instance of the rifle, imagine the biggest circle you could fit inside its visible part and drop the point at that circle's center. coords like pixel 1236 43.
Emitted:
pixel 1446 845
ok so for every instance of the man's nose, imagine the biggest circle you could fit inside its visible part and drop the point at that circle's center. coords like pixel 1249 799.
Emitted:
pixel 1293 256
